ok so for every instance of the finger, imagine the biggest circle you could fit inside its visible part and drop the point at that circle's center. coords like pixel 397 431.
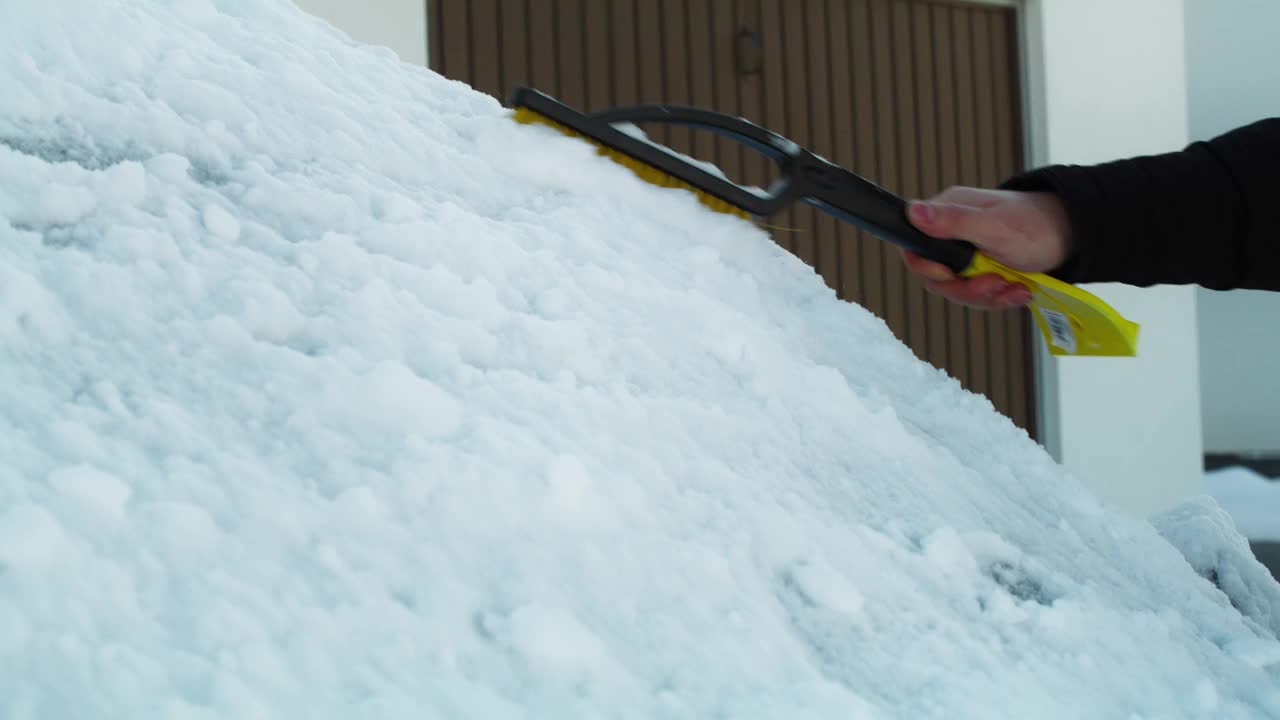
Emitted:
pixel 982 291
pixel 927 269
pixel 971 196
pixel 1016 295
pixel 950 220
pixel 959 293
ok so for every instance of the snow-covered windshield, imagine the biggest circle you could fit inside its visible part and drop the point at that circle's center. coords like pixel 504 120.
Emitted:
pixel 328 391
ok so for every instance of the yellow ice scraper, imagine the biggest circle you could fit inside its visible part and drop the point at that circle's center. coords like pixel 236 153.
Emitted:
pixel 1072 321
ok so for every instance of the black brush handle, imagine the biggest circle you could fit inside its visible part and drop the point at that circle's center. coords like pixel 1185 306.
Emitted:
pixel 803 175
pixel 826 185
pixel 599 127
pixel 855 199
pixel 738 129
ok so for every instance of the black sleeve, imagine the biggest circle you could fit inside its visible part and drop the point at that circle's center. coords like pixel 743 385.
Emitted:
pixel 1206 215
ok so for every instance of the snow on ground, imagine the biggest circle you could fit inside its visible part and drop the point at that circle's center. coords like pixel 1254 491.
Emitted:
pixel 330 392
pixel 1252 500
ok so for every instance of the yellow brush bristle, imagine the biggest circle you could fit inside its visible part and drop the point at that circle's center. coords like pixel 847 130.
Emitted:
pixel 645 171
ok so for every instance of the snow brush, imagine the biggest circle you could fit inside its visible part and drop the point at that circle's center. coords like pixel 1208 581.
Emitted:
pixel 1071 320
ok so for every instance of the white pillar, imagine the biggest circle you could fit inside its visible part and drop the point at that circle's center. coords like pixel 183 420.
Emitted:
pixel 1231 53
pixel 1108 80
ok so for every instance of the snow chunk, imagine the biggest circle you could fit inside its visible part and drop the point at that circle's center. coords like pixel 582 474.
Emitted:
pixel 392 399
pixel 570 484
pixel 123 184
pixel 183 531
pixel 100 493
pixel 220 223
pixel 1258 653
pixel 557 644
pixel 825 587
pixel 1205 535
pixel 169 167
pixel 31 539
pixel 28 310
pixel 62 204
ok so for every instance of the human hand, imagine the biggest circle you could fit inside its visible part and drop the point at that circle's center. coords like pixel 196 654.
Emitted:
pixel 1022 230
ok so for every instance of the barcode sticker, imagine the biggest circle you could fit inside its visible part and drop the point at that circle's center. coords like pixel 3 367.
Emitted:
pixel 1060 332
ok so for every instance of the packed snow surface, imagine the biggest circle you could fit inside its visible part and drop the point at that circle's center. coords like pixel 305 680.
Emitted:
pixel 331 392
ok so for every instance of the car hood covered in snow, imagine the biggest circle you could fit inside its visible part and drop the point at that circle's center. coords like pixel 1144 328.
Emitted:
pixel 331 392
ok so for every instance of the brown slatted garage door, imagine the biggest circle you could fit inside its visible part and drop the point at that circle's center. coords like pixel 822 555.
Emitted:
pixel 914 94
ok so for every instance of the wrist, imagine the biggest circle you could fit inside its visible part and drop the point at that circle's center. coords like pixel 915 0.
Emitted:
pixel 1067 195
pixel 1055 235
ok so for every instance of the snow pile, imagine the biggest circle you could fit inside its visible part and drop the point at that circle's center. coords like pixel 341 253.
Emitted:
pixel 1252 500
pixel 329 392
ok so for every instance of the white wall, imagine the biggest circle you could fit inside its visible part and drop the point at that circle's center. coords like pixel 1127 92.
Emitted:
pixel 1232 56
pixel 400 25
pixel 1107 80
